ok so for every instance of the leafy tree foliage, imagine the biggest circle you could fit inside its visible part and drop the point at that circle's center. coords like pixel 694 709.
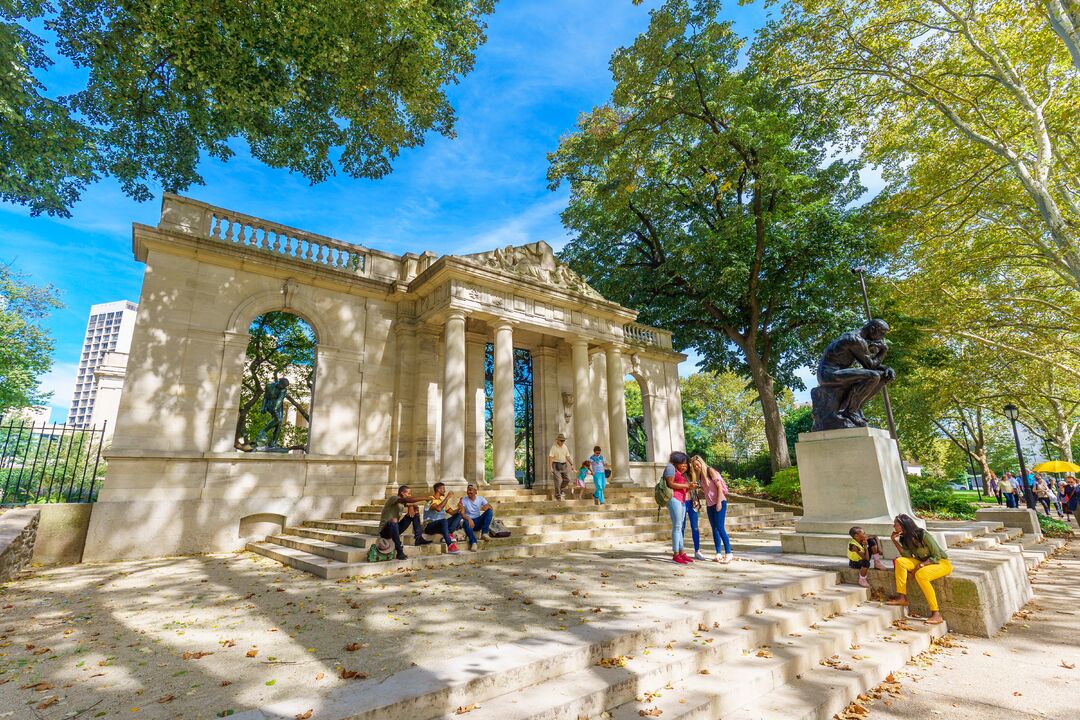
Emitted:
pixel 722 414
pixel 969 106
pixel 25 345
pixel 282 345
pixel 309 86
pixel 704 194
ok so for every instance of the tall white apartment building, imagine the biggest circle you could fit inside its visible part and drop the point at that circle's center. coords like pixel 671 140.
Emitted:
pixel 107 331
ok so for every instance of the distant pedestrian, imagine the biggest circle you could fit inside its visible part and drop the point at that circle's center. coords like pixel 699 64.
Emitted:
pixel 1008 488
pixel 559 462
pixel 1042 493
pixel 995 488
pixel 599 468
pixel 1072 498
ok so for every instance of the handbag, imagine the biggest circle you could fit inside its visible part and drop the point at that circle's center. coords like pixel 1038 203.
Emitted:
pixel 498 530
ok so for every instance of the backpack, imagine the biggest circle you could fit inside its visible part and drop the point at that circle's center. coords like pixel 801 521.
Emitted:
pixel 380 551
pixel 662 493
pixel 498 529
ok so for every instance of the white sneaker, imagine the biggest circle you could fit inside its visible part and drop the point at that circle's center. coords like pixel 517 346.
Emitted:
pixel 863 582
pixel 728 558
pixel 698 555
pixel 472 547
pixel 485 536
pixel 719 558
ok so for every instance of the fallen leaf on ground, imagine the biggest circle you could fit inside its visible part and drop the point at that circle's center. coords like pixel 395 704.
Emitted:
pixel 1068 665
pixel 617 661
pixel 352 675
pixel 353 647
pixel 48 702
pixel 225 683
pixel 195 655
pixel 166 698
pixel 38 687
pixel 320 676
pixel 40 651
pixel 252 652
pixel 764 653
pixel 304 715
pixel 651 712
pixel 466 709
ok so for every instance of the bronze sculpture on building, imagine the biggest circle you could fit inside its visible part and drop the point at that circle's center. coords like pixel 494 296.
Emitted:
pixel 850 372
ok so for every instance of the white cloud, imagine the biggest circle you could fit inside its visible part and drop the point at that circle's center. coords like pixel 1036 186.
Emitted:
pixel 60 381
pixel 539 221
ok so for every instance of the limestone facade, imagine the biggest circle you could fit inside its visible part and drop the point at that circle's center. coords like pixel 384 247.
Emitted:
pixel 399 388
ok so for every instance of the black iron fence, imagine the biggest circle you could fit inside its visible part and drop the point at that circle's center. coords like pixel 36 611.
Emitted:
pixel 49 463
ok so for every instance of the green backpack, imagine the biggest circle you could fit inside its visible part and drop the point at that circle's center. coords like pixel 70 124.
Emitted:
pixel 662 493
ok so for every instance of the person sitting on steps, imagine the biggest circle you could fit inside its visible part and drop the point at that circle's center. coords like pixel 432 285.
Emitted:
pixel 436 520
pixel 862 550
pixel 919 553
pixel 476 512
pixel 392 523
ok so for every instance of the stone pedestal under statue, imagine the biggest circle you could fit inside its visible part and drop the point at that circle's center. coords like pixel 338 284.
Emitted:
pixel 849 477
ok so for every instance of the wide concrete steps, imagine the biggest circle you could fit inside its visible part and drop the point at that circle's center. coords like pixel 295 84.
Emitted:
pixel 712 657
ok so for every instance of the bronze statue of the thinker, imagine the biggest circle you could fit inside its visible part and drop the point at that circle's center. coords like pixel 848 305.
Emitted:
pixel 850 372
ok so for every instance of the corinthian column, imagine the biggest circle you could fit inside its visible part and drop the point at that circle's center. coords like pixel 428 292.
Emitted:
pixel 502 413
pixel 583 439
pixel 452 447
pixel 618 442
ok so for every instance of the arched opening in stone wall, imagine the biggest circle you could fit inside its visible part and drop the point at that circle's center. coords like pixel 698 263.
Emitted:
pixel 637 422
pixel 278 384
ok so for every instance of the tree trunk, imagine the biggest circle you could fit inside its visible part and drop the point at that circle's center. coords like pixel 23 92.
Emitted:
pixel 774 424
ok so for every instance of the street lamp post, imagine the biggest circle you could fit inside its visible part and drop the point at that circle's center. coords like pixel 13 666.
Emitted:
pixel 1013 413
pixel 971 460
pixel 861 272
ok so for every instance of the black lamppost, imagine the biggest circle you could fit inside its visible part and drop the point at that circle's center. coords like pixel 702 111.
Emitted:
pixel 1012 413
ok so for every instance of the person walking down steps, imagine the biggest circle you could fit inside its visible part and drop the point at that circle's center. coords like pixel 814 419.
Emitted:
pixel 559 461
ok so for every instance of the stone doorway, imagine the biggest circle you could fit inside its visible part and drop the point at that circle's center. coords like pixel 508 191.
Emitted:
pixel 524 415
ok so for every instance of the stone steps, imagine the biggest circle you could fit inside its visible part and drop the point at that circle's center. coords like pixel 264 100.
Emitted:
pixel 310 548
pixel 696 659
pixel 499 673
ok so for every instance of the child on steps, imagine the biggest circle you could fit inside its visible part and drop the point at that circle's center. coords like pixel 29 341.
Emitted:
pixel 863 550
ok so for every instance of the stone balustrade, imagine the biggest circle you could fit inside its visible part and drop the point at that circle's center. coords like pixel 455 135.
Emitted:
pixel 639 334
pixel 233 228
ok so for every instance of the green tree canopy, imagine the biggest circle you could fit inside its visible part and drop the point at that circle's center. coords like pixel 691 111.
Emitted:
pixel 969 107
pixel 722 413
pixel 309 86
pixel 25 345
pixel 704 194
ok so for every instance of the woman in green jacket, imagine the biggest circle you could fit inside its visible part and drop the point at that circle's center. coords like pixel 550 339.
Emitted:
pixel 919 553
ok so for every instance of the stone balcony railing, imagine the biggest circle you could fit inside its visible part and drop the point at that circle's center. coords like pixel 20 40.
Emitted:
pixel 638 334
pixel 261 236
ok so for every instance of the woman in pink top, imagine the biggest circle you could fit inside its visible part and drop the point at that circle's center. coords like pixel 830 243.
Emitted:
pixel 674 475
pixel 712 483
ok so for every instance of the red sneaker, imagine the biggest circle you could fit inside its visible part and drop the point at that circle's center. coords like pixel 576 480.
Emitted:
pixel 678 558
pixel 453 549
pixel 685 558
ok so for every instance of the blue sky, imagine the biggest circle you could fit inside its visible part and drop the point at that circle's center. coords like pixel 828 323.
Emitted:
pixel 543 64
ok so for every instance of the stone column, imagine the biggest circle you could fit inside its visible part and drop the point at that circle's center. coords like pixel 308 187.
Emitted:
pixel 618 442
pixel 452 447
pixel 502 415
pixel 475 345
pixel 582 442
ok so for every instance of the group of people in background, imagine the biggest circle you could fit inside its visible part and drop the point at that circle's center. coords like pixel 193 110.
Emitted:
pixel 560 462
pixel 1061 494
pixel 694 484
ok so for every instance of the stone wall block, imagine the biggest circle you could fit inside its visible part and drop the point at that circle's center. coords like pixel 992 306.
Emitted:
pixel 18 531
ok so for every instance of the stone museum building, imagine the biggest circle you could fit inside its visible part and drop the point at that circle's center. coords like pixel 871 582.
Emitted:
pixel 416 357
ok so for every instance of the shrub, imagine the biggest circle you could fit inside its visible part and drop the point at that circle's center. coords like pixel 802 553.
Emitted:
pixel 745 486
pixel 1052 527
pixel 785 487
pixel 931 495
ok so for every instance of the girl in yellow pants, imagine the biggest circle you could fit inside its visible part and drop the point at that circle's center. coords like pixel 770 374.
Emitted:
pixel 920 554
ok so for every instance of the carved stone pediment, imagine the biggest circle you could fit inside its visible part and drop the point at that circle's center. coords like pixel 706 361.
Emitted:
pixel 535 261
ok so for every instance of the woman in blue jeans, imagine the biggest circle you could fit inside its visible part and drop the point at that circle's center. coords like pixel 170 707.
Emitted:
pixel 712 484
pixel 674 475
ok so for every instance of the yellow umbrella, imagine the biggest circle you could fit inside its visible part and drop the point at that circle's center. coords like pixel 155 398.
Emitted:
pixel 1056 466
